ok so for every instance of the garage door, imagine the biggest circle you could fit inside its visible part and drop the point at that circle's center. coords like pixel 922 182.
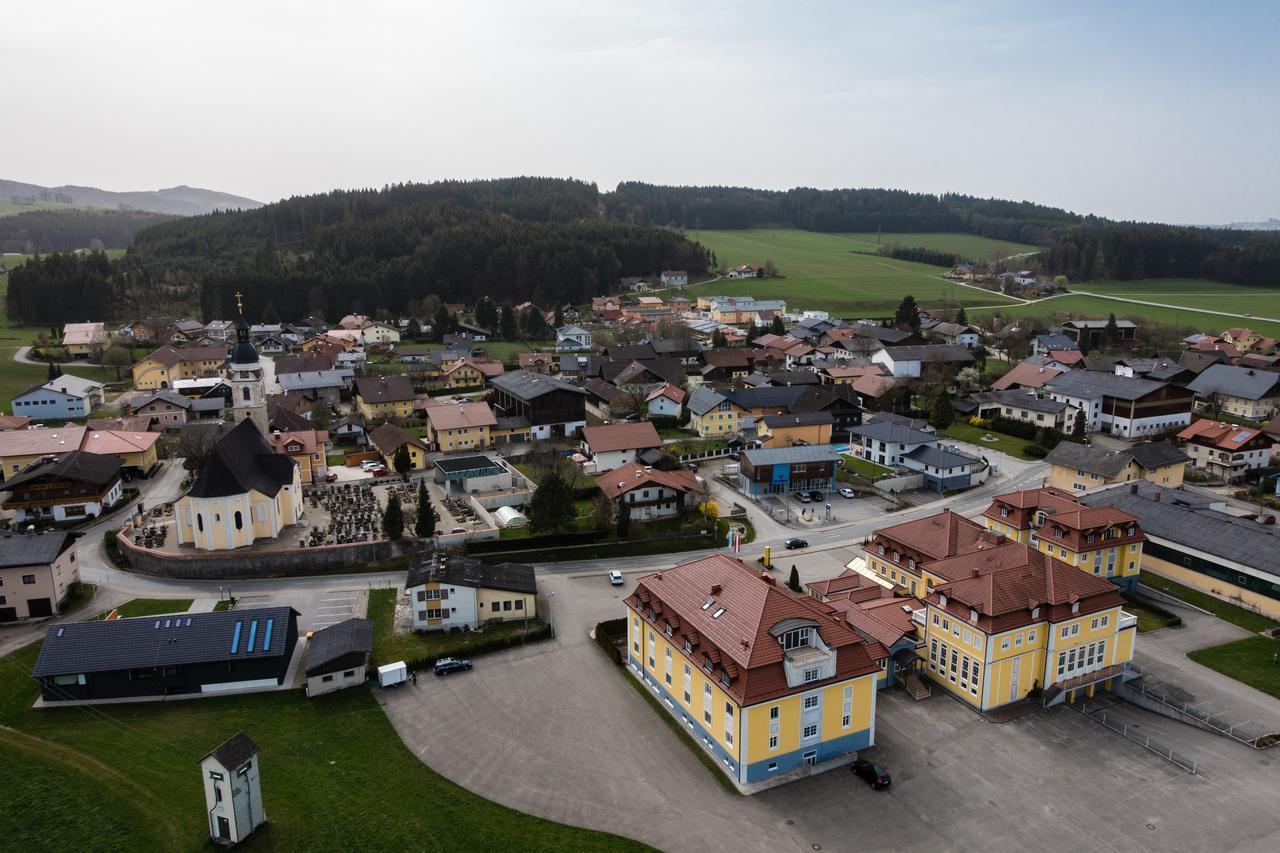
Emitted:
pixel 38 607
pixel 8 614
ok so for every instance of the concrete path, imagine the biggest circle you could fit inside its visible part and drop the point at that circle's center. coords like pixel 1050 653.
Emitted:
pixel 1176 307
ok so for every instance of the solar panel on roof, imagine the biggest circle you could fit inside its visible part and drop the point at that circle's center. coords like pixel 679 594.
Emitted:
pixel 266 638
pixel 235 638
pixel 253 634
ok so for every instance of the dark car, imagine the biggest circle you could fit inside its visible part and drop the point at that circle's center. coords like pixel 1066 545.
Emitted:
pixel 692 466
pixel 792 544
pixel 871 773
pixel 735 456
pixel 444 666
pixel 816 496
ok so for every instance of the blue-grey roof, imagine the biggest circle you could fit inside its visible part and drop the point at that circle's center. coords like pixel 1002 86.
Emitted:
pixel 33 549
pixel 765 396
pixel 156 641
pixel 337 641
pixel 1056 341
pixel 1242 382
pixel 313 379
pixel 802 419
pixel 948 353
pixel 895 433
pixel 1030 402
pixel 791 455
pixel 940 457
pixel 703 400
pixel 526 386
pixel 1094 385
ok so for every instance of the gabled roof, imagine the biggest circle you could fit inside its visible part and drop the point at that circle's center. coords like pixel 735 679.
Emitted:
pixel 243 461
pixel 667 390
pixel 634 475
pixel 524 385
pixel 1243 382
pixel 385 389
pixel 465 571
pixel 1026 375
pixel 703 400
pixel 350 636
pixel 625 436
pixel 895 433
pixel 118 441
pixel 461 415
pixel 947 353
pixel 33 549
pixel 1223 435
pixel 791 455
pixel 799 420
pixel 173 398
pixel 74 385
pixel 389 438
pixel 1092 385
pixel 938 536
pixel 76 466
pixel 1017 398
pixel 237 749
pixel 37 442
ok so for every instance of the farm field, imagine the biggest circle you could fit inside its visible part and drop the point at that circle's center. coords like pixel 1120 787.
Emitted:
pixel 969 245
pixel 334 776
pixel 9 208
pixel 824 271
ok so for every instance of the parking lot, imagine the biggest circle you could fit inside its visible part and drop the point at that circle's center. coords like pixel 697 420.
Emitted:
pixel 593 753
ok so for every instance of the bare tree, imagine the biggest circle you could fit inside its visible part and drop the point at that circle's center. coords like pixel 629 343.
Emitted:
pixel 196 443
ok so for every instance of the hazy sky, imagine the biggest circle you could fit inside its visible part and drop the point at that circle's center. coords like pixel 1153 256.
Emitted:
pixel 1166 110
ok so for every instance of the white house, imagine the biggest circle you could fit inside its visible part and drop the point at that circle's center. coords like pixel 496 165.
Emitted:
pixel 571 338
pixel 674 278
pixel 886 442
pixel 233 790
pixel 665 401
pixel 909 361
pixel 615 445
pixel 448 592
pixel 338 656
pixel 648 494
pixel 379 333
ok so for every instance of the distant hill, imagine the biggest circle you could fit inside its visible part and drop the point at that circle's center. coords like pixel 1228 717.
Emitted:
pixel 1271 224
pixel 176 201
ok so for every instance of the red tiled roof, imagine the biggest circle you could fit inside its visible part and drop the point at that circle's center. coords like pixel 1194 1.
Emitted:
pixel 1066 356
pixel 937 536
pixel 1026 375
pixel 738 640
pixel 633 476
pixel 1219 434
pixel 636 436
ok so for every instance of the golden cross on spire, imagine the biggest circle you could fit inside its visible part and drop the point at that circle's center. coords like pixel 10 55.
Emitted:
pixel 239 304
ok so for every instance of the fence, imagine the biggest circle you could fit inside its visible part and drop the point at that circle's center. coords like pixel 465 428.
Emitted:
pixel 1201 718
pixel 719 453
pixel 1145 741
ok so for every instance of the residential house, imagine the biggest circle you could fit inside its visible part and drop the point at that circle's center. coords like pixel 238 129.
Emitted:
pixel 910 362
pixel 792 429
pixel 606 400
pixel 547 405
pixel 727 364
pixel 1241 339
pixel 167 409
pixel 1103 541
pixel 1025 374
pixel 943 469
pixel 674 278
pixel 1080 467
pixel 166 655
pixel 152 330
pixel 956 334
pixel 615 445
pixel 886 441
pixel 1191 539
pixel 1030 406
pixel 712 414
pixel 137 452
pixel 245 493
pixel 349 430
pixel 1090 334
pixel 306 447
pixel 779 686
pixel 782 470
pixel 22 448
pixel 36 573
pixel 744 271
pixel 56 400
pixel 1226 450
pixel 1123 406
pixel 73 487
pixel 1045 344
pixel 537 362
pixel 379 334
pixel 13 422
pixel 449 592
pixel 665 401
pixel 414 354
pixel 380 398
pixel 1241 391
pixel 870 388
pixel 460 426
pixel 648 494
pixel 338 656
pixel 161 368
pixel 469 373
pixel 221 331
pixel 327 385
pixel 353 322
pixel 572 338
pixel 388 438
pixel 84 340
pixel 874 336
pixel 605 303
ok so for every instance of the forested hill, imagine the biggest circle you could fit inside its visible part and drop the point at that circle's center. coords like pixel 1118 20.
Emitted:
pixel 370 250
pixel 848 210
pixel 43 231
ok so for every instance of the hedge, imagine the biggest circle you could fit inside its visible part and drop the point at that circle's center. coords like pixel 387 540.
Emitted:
pixel 1147 604
pixel 114 553
pixel 607 634
pixel 494 644
pixel 585 537
pixel 1035 451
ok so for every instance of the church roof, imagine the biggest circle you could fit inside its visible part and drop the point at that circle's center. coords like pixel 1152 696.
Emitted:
pixel 242 461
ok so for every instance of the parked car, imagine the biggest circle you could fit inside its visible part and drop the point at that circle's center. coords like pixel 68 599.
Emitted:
pixel 803 497
pixel 692 466
pixel 871 773
pixel 793 544
pixel 816 496
pixel 735 456
pixel 331 478
pixel 444 666
pixel 370 464
pixel 847 492
pixel 615 577
pixel 380 471
pixel 458 530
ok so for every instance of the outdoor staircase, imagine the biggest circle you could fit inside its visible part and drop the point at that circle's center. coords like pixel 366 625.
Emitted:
pixel 1054 695
pixel 915 687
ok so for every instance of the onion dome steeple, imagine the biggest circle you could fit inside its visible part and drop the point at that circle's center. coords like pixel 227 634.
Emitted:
pixel 243 352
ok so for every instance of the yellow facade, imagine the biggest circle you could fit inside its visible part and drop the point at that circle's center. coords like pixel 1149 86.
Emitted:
pixel 236 521
pixel 377 333
pixel 144 460
pixel 1211 585
pixel 1124 560
pixel 1259 410
pixel 1011 663
pixel 786 436
pixel 460 438
pixel 384 411
pixel 486 611
pixel 417 456
pixel 1078 480
pixel 150 375
pixel 465 376
pixel 721 420
pixel 19 463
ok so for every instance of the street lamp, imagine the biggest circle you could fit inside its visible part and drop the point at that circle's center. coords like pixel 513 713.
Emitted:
pixel 550 596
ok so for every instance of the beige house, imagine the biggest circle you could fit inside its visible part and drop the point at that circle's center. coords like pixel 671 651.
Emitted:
pixel 448 593
pixel 1080 467
pixel 338 656
pixel 379 333
pixel 36 573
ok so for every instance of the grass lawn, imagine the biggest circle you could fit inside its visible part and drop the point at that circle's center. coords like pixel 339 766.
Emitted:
pixel 1148 620
pixel 825 271
pixel 225 604
pixel 1251 661
pixel 1246 619
pixel 1009 444
pixel 335 776
pixel 866 468
pixel 13 208
pixel 969 245
pixel 78 596
pixel 150 607
pixel 388 647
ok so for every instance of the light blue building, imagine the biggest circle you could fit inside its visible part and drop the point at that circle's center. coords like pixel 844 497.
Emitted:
pixel 64 398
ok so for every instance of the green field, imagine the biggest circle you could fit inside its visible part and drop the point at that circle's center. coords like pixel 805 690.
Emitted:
pixel 826 271
pixel 10 208
pixel 335 776
pixel 1251 661
pixel 966 245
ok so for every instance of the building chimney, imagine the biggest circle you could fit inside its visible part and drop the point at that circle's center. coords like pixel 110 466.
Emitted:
pixel 1133 488
pixel 715 589
pixel 1156 497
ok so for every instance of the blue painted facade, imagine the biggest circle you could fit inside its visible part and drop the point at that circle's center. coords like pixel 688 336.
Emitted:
pixel 44 404
pixel 1128 584
pixel 947 484
pixel 758 770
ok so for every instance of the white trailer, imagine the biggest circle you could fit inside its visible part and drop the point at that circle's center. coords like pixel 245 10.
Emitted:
pixel 389 675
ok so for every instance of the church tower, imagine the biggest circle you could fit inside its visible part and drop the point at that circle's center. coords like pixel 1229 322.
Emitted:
pixel 248 393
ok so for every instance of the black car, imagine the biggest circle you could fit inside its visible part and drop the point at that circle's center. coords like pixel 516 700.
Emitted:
pixel 692 466
pixel 816 496
pixel 871 773
pixel 444 666
pixel 792 544
pixel 735 456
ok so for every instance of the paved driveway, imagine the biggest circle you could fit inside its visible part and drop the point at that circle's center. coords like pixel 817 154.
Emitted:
pixel 554 730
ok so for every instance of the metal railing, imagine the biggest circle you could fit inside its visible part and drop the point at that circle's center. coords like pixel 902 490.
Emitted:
pixel 1234 731
pixel 1142 740
pixel 1127 620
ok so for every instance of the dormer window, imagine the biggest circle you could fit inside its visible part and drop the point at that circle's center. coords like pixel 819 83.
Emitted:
pixel 911 564
pixel 1035 613
pixel 1075 607
pixel 942 600
pixel 1091 538
pixel 1131 531
pixel 688 646
pixel 724 679
pixel 973 615
pixel 795 639
pixel 897 557
pixel 881 550
pixel 1058 532
pixel 706 663
pixel 667 630
pixel 1004 512
pixel 706 605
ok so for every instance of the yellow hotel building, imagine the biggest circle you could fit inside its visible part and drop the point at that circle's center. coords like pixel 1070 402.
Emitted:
pixel 1016 620
pixel 774 685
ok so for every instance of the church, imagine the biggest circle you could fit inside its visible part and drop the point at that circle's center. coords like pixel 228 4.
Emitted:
pixel 245 492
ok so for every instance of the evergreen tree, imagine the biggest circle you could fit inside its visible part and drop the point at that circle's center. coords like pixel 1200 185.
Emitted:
pixel 1077 428
pixel 320 416
pixel 402 462
pixel 776 326
pixel 559 319
pixel 551 507
pixel 1111 332
pixel 793 582
pixel 53 371
pixel 441 323
pixel 393 518
pixel 487 314
pixel 414 330
pixel 507 329
pixel 961 317
pixel 533 325
pixel 425 522
pixel 942 414
pixel 624 520
pixel 907 317
pixel 269 313
pixel 718 339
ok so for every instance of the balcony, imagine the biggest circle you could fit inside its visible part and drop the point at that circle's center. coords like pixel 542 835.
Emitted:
pixel 1127 620
pixel 917 616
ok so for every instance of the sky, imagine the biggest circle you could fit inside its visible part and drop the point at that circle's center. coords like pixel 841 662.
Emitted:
pixel 1161 111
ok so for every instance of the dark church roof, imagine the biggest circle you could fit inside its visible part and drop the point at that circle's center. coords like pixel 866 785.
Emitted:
pixel 242 461
pixel 243 352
